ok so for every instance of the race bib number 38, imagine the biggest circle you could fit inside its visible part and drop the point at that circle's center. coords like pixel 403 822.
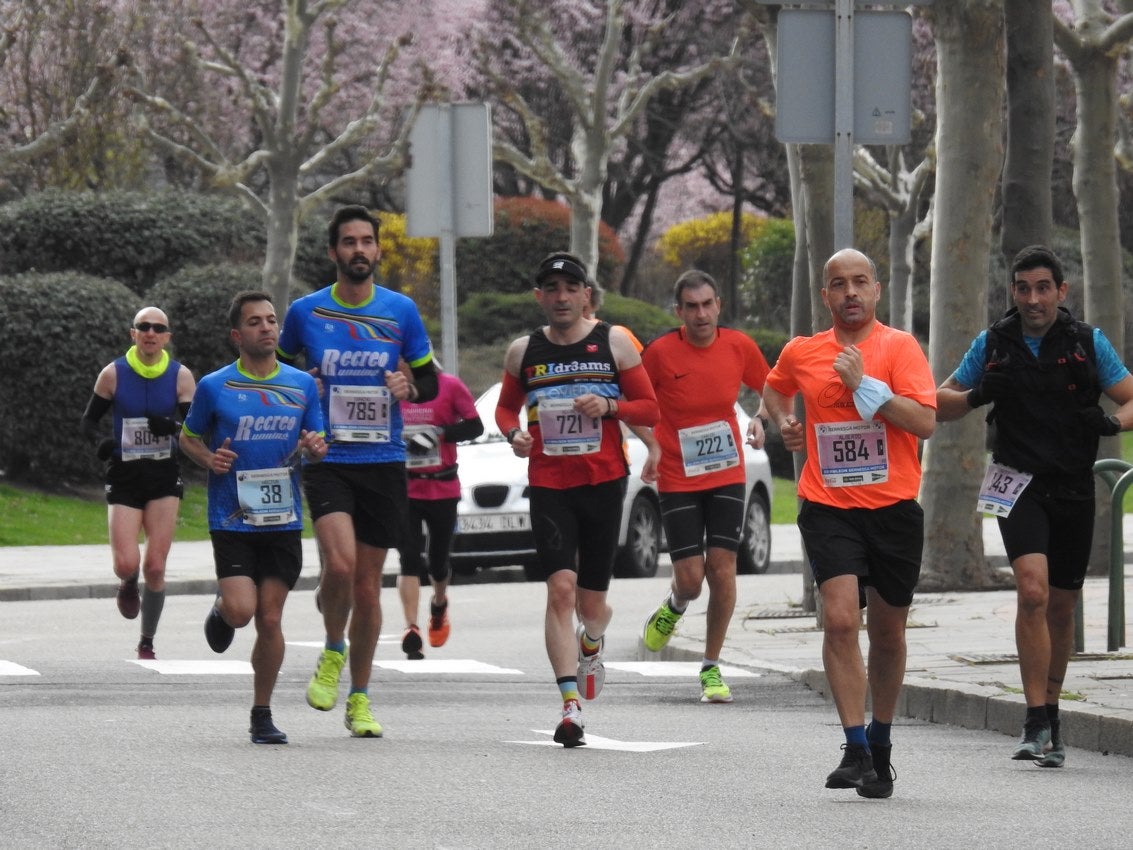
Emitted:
pixel 265 496
pixel 360 414
pixel 853 453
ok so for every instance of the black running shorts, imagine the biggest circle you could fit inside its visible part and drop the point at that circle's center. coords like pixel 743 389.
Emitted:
pixel 373 494
pixel 1061 529
pixel 577 529
pixel 690 518
pixel 258 555
pixel 881 546
pixel 136 482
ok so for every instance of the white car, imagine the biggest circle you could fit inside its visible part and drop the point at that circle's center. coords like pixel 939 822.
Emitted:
pixel 493 526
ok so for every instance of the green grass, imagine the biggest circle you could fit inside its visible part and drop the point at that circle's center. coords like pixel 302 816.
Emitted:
pixel 784 502
pixel 34 518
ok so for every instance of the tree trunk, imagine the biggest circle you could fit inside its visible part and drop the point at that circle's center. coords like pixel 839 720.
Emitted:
pixel 969 41
pixel 902 245
pixel 816 177
pixel 1028 217
pixel 1095 187
pixel 282 239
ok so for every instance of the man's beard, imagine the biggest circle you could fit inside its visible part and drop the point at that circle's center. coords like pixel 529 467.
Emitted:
pixel 348 270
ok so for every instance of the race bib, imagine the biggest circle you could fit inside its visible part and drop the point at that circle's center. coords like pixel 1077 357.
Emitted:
pixel 566 431
pixel 360 414
pixel 139 442
pixel 1001 488
pixel 708 448
pixel 265 496
pixel 853 453
pixel 414 457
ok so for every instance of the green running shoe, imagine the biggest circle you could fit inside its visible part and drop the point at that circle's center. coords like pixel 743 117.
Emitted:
pixel 659 627
pixel 359 720
pixel 322 692
pixel 1056 755
pixel 1035 738
pixel 712 687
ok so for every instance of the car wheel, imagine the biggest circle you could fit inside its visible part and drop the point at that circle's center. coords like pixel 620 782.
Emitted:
pixel 638 558
pixel 755 547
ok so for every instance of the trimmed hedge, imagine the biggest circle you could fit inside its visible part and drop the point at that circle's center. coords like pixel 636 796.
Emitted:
pixel 525 231
pixel 57 332
pixel 132 237
pixel 492 317
pixel 196 300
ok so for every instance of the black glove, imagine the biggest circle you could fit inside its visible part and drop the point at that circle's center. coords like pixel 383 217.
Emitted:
pixel 105 448
pixel 422 443
pixel 993 387
pixel 163 426
pixel 1097 421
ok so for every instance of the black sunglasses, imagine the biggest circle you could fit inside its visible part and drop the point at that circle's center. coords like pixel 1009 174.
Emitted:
pixel 156 327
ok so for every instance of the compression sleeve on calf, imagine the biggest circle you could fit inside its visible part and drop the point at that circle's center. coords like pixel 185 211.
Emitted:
pixel 512 398
pixel 425 379
pixel 465 429
pixel 96 408
pixel 640 404
pixel 870 395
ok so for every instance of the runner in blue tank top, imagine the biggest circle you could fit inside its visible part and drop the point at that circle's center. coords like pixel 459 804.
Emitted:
pixel 149 393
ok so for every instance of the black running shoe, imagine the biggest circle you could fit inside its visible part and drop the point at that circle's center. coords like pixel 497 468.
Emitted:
pixel 262 730
pixel 883 786
pixel 411 644
pixel 217 632
pixel 855 770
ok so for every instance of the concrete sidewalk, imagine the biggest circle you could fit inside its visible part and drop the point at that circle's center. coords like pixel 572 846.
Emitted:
pixel 962 669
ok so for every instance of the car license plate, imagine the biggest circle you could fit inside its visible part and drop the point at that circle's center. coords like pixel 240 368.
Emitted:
pixel 481 523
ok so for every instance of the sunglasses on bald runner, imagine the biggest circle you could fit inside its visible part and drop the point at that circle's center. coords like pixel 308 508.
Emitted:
pixel 156 327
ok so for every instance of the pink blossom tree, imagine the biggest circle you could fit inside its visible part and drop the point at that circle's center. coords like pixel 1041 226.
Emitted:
pixel 306 85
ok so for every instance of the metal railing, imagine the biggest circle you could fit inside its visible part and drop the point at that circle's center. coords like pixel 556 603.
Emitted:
pixel 1118 475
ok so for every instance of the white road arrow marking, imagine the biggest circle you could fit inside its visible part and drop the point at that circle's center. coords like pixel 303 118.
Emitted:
pixel 197 668
pixel 597 742
pixel 10 668
pixel 433 666
pixel 677 668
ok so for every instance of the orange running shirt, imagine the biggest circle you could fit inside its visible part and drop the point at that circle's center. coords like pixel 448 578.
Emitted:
pixel 697 386
pixel 895 357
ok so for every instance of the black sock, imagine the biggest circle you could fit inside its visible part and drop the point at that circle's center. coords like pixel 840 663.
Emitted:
pixel 1037 714
pixel 1052 712
pixel 261 710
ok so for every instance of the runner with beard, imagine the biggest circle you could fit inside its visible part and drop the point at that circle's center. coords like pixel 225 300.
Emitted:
pixel 352 334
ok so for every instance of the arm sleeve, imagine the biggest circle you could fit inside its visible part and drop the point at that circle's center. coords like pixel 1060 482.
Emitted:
pixel 511 400
pixel 465 429
pixel 640 404
pixel 425 379
pixel 96 409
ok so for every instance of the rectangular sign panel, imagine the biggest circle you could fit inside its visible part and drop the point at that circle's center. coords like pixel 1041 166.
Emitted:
pixel 804 102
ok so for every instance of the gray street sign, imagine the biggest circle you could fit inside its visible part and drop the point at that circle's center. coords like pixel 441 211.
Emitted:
pixel 804 107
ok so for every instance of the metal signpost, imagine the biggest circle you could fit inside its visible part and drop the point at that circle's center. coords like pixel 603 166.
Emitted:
pixel 449 192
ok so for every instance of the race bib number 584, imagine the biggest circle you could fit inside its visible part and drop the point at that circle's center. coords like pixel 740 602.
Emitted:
pixel 853 453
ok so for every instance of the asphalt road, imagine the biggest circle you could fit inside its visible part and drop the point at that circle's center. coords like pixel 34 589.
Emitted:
pixel 100 750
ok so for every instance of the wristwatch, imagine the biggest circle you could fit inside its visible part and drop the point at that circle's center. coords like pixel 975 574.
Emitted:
pixel 511 434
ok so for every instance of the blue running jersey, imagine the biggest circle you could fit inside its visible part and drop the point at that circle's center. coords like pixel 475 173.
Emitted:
pixel 263 418
pixel 353 347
